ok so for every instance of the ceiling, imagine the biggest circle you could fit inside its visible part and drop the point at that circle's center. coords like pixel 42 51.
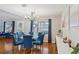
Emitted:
pixel 42 10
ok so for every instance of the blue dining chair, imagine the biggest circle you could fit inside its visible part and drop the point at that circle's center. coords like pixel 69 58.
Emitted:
pixel 20 35
pixel 8 34
pixel 16 42
pixel 31 33
pixel 40 33
pixel 27 43
pixel 2 34
pixel 39 40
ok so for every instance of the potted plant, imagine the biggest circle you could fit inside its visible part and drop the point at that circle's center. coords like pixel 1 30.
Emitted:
pixel 75 50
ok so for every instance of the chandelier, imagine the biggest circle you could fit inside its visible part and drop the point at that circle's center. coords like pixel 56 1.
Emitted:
pixel 33 16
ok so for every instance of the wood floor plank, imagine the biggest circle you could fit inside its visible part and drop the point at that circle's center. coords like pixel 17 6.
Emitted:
pixel 6 47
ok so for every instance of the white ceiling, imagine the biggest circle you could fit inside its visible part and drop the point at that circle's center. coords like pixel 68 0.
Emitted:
pixel 43 10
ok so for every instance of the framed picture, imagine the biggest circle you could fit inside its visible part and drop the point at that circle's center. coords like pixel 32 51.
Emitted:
pixel 74 16
pixel 20 25
pixel 74 21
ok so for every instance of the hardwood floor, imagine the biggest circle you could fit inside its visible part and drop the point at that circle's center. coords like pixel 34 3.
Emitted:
pixel 6 47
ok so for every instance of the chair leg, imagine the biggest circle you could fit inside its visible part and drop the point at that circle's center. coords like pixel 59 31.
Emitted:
pixel 33 46
pixel 41 48
pixel 24 50
pixel 22 47
pixel 27 51
pixel 36 46
pixel 31 51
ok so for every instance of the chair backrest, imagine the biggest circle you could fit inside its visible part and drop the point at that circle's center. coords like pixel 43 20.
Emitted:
pixel 31 33
pixel 19 34
pixel 16 41
pixel 41 38
pixel 27 41
pixel 39 33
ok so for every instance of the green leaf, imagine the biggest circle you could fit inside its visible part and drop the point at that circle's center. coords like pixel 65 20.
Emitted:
pixel 75 50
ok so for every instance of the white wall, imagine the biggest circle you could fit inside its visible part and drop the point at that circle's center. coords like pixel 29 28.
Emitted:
pixel 56 25
pixel 71 32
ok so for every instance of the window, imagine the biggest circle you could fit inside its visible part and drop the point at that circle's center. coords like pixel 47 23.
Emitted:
pixel 8 26
pixel 43 26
